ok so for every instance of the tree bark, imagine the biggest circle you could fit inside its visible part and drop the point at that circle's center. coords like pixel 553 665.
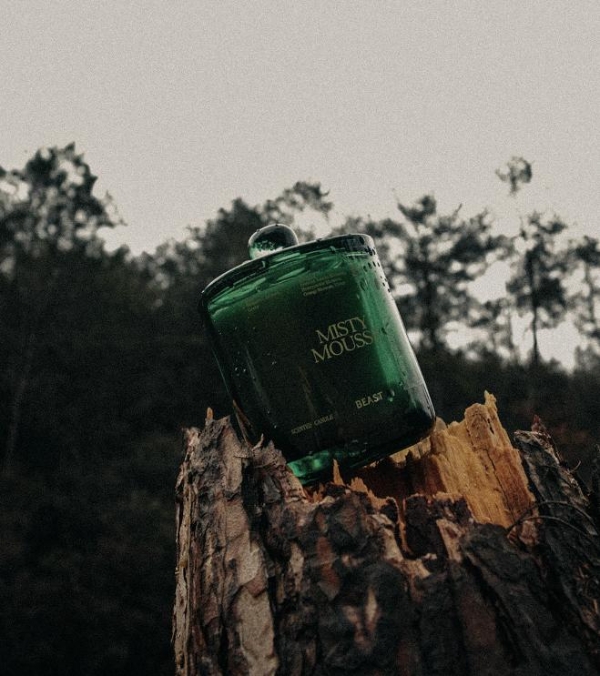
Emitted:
pixel 463 555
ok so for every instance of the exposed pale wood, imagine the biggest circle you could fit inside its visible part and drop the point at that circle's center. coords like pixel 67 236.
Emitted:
pixel 472 458
pixel 466 556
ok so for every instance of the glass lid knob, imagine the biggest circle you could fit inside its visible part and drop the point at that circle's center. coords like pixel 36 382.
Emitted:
pixel 271 238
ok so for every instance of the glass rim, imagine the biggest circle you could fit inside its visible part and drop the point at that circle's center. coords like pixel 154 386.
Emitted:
pixel 348 242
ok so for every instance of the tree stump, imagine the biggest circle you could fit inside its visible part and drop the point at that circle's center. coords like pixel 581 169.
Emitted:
pixel 465 555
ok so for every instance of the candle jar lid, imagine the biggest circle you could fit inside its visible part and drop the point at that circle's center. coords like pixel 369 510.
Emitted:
pixel 314 354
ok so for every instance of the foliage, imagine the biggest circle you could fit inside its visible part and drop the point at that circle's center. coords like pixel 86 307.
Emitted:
pixel 303 195
pixel 518 172
pixel 537 284
pixel 49 206
pixel 584 302
pixel 49 222
pixel 85 543
pixel 105 360
pixel 430 260
pixel 494 318
pixel 85 571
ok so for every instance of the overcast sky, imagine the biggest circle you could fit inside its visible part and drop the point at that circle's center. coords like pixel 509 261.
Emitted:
pixel 180 107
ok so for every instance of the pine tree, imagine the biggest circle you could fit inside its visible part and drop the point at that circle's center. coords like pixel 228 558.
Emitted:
pixel 431 259
pixel 537 283
pixel 585 302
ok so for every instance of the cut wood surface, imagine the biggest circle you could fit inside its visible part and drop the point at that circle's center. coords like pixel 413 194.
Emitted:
pixel 464 555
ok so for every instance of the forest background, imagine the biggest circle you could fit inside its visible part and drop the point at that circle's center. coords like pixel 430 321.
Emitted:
pixel 104 360
pixel 206 114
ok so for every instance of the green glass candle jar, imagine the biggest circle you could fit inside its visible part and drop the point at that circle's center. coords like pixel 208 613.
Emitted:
pixel 314 354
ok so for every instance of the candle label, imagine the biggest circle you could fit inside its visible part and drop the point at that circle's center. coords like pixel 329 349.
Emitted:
pixel 369 399
pixel 314 423
pixel 341 337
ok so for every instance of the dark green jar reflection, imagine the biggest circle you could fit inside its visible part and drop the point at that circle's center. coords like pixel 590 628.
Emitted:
pixel 313 352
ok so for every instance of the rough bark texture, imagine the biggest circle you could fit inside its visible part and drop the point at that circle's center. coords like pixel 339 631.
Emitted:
pixel 464 556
